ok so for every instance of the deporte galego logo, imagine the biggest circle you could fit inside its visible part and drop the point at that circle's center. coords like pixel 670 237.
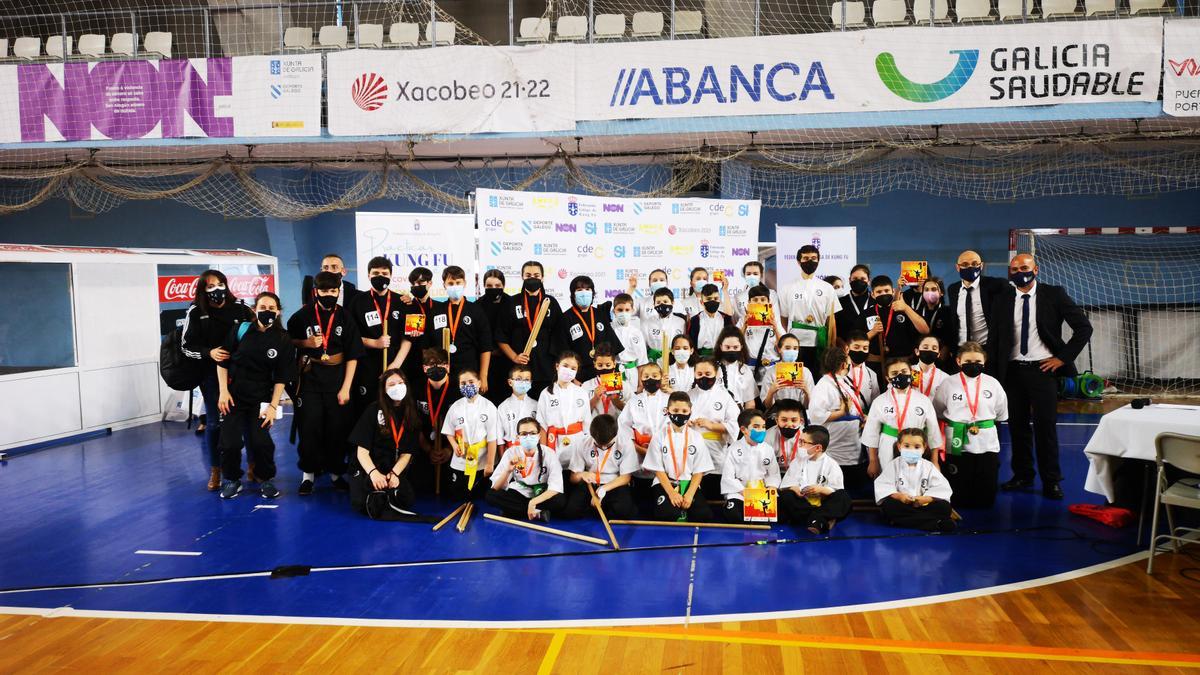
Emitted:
pixel 369 91
pixel 927 92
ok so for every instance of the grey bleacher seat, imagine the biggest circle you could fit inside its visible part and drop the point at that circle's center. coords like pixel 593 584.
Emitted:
pixel 441 31
pixel 886 13
pixel 1100 7
pixel 1059 9
pixel 298 38
pixel 158 43
pixel 647 25
pixel 92 44
pixel 403 34
pixel 973 11
pixel 688 22
pixel 1148 7
pixel 570 28
pixel 534 29
pixel 122 44
pixel 609 26
pixel 27 48
pixel 333 37
pixel 940 9
pixel 856 14
pixel 55 43
pixel 369 35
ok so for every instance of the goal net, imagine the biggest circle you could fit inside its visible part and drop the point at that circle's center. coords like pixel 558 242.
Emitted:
pixel 1141 290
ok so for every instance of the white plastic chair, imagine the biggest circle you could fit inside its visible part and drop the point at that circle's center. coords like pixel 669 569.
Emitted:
pixel 610 26
pixel 122 44
pixel 92 44
pixel 571 28
pixel 1183 453
pixel 887 13
pixel 54 46
pixel 973 11
pixel 1059 9
pixel 856 14
pixel 333 37
pixel 370 35
pixel 941 11
pixel 688 22
pixel 298 38
pixel 647 25
pixel 1100 7
pixel 534 29
pixel 1010 10
pixel 27 48
pixel 158 43
pixel 402 34
pixel 3 48
pixel 1150 7
pixel 442 30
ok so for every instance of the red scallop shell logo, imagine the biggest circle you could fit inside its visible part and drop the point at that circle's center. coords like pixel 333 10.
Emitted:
pixel 369 91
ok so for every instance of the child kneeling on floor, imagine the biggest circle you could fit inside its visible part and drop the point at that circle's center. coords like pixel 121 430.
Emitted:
pixel 911 491
pixel 607 464
pixel 527 482
pixel 813 491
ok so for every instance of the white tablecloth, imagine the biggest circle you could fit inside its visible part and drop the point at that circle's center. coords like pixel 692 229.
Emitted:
pixel 1126 432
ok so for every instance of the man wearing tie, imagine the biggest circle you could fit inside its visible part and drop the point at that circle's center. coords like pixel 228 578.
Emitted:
pixel 1030 354
pixel 972 298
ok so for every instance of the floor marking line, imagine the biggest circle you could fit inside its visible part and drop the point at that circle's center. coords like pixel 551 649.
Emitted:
pixel 265 506
pixel 551 657
pixel 154 552
pixel 692 578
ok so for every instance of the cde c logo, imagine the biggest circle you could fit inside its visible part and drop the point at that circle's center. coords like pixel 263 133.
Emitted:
pixel 921 92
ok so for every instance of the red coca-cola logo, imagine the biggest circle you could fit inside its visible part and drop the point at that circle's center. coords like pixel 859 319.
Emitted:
pixel 245 286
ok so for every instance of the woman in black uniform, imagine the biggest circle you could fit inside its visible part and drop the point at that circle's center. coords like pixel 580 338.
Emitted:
pixel 214 312
pixel 386 436
pixel 496 307
pixel 261 360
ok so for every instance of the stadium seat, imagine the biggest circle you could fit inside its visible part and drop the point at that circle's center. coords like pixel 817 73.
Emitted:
pixel 369 35
pixel 333 37
pixel 921 10
pixel 886 13
pixel 1100 7
pixel 856 14
pixel 298 38
pixel 688 23
pixel 571 28
pixel 1150 7
pixel 54 46
pixel 442 30
pixel 1059 9
pixel 647 25
pixel 122 44
pixel 3 48
pixel 534 29
pixel 610 26
pixel 92 44
pixel 158 43
pixel 27 48
pixel 402 34
pixel 1010 10
pixel 973 11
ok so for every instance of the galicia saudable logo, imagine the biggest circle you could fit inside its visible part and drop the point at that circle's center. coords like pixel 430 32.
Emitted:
pixel 921 92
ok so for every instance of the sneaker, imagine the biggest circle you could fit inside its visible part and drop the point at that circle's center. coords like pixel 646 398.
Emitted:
pixel 946 526
pixel 814 526
pixel 231 489
pixel 268 490
pixel 340 484
pixel 306 488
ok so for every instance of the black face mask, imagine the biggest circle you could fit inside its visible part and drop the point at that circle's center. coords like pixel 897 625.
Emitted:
pixel 858 358
pixel 338 275
pixel 380 283
pixel 605 371
pixel 730 357
pixel 327 301
pixel 884 300
pixel 266 317
pixel 787 433
pixel 532 285
pixel 493 294
pixel 901 381
pixel 419 292
pixel 926 356
pixel 435 374
pixel 705 383
pixel 217 296
pixel 664 310
pixel 809 266
pixel 651 385
pixel 711 306
pixel 678 419
pixel 858 286
pixel 972 369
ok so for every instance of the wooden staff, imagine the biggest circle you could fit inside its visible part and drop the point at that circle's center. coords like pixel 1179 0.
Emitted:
pixel 447 519
pixel 537 326
pixel 385 349
pixel 665 346
pixel 546 530
pixel 673 523
pixel 437 471
pixel 604 519
pixel 465 517
pixel 446 341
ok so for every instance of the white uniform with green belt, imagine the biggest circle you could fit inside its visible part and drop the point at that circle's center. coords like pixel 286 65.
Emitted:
pixel 966 431
pixel 808 304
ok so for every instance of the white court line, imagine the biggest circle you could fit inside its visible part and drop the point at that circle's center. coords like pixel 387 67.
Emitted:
pixel 692 578
pixel 266 506
pixel 153 552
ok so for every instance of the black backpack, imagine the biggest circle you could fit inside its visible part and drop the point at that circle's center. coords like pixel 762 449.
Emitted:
pixel 178 371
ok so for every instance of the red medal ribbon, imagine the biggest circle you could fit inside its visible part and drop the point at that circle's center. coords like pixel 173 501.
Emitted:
pixel 325 332
pixel 435 415
pixel 387 312
pixel 450 318
pixel 900 416
pixel 674 461
pixel 784 458
pixel 592 316
pixel 973 406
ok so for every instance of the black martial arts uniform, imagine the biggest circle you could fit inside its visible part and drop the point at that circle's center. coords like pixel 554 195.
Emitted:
pixel 514 329
pixel 258 361
pixel 375 433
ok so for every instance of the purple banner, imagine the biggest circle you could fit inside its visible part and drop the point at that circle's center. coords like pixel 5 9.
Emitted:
pixel 123 99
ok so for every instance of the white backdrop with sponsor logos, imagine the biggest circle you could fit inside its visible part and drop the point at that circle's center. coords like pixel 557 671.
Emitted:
pixel 608 238
pixel 413 240
pixel 838 246
pixel 1181 72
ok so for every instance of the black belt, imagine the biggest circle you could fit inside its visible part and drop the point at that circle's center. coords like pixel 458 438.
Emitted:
pixel 1025 364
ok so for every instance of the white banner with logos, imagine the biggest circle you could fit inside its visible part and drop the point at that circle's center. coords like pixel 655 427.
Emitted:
pixel 1181 68
pixel 413 240
pixel 288 102
pixel 912 68
pixel 608 238
pixel 459 89
pixel 838 247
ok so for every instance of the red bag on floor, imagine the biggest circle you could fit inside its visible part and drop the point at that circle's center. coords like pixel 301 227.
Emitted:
pixel 1113 516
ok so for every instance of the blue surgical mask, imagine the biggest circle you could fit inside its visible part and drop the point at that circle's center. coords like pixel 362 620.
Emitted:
pixel 910 456
pixel 758 435
pixel 789 355
pixel 657 285
pixel 455 292
pixel 469 390
pixel 583 298
pixel 528 442
pixel 521 387
pixel 699 285
pixel 752 280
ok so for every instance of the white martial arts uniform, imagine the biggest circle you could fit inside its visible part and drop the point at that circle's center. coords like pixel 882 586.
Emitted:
pixel 565 412
pixel 910 405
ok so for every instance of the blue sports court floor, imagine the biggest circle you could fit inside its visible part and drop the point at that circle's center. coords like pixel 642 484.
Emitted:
pixel 78 515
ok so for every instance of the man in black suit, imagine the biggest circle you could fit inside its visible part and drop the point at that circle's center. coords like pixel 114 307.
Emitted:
pixel 1030 354
pixel 971 300
pixel 334 264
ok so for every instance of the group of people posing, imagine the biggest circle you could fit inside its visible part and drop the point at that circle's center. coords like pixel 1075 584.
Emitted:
pixel 677 408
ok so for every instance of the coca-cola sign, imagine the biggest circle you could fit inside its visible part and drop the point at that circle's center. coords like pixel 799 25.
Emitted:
pixel 244 286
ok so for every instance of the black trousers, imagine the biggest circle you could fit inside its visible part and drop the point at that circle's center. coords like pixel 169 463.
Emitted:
pixel 243 422
pixel 974 478
pixel 324 426
pixel 458 484
pixel 513 504
pixel 796 510
pixel 664 510
pixel 1033 397
pixel 917 517
pixel 710 487
pixel 618 503
pixel 811 357
pixel 376 503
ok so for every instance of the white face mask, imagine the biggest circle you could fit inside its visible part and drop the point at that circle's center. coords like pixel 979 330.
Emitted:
pixel 752 280
pixel 397 391
pixel 682 356
pixel 566 373
pixel 621 318
pixel 842 292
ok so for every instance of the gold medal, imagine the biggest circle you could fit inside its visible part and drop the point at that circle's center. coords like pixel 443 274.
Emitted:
pixel 325 356
pixel 809 319
pixel 973 430
pixel 566 440
pixel 592 353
